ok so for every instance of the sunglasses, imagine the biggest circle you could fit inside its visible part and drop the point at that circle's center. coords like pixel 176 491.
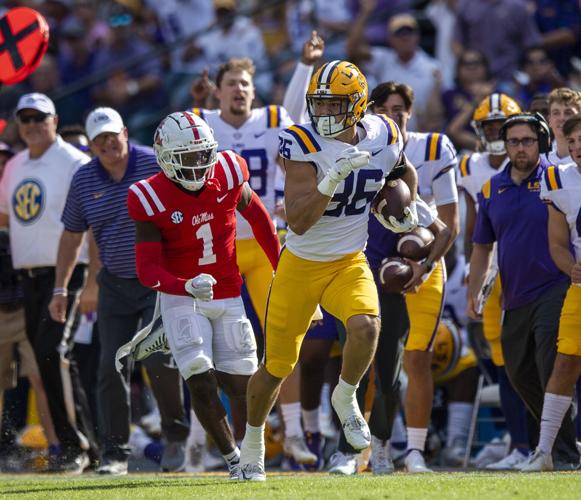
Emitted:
pixel 36 118
pixel 544 60
pixel 472 62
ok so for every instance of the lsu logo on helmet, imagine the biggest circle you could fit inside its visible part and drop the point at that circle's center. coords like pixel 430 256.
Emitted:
pixel 336 97
pixel 495 107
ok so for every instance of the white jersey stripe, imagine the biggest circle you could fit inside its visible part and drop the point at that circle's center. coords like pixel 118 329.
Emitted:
pixel 142 199
pixel 153 195
pixel 227 171
pixel 237 168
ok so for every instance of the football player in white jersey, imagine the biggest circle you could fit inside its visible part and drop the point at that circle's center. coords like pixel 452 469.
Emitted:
pixel 334 167
pixel 434 158
pixel 561 189
pixel 563 104
pixel 253 134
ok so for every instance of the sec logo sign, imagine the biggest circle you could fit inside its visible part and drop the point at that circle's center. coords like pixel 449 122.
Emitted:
pixel 28 201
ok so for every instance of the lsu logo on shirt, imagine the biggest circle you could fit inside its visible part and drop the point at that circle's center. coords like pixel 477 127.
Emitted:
pixel 28 201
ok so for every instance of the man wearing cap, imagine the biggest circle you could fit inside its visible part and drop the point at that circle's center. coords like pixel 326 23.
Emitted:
pixel 97 201
pixel 404 62
pixel 33 190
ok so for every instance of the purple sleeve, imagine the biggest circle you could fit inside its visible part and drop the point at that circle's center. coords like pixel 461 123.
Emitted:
pixel 483 231
pixel 72 216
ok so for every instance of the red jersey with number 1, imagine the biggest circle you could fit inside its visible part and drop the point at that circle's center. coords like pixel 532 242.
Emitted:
pixel 198 229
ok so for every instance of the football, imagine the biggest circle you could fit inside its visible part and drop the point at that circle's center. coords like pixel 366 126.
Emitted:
pixel 392 199
pixel 394 273
pixel 415 244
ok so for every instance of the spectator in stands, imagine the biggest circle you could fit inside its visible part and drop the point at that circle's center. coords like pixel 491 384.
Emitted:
pixel 511 213
pixel 32 194
pixel 501 29
pixel 76 60
pixel 559 22
pixel 540 104
pixel 405 62
pixel 538 75
pixel 98 191
pixel 376 30
pixel 472 85
pixel 132 88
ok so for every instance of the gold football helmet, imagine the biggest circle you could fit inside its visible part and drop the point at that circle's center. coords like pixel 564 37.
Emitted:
pixel 495 107
pixel 447 348
pixel 336 97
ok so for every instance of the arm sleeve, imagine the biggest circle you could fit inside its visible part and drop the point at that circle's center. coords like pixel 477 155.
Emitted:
pixel 294 98
pixel 72 216
pixel 426 216
pixel 483 230
pixel 152 274
pixel 3 192
pixel 263 228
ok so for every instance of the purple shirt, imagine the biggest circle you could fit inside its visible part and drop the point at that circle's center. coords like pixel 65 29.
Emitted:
pixel 381 243
pixel 516 218
pixel 501 29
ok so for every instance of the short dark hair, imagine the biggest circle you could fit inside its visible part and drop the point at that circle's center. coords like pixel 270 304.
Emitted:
pixel 380 93
pixel 240 64
pixel 571 124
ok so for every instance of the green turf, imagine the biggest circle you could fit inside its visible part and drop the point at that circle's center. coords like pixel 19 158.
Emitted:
pixel 468 486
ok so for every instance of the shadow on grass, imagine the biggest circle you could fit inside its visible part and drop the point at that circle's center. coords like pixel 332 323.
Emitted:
pixel 119 486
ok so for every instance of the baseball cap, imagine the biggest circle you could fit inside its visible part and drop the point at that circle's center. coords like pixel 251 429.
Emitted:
pixel 400 21
pixel 102 120
pixel 36 101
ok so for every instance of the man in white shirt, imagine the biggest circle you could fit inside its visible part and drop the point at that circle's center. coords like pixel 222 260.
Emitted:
pixel 563 104
pixel 33 191
pixel 405 62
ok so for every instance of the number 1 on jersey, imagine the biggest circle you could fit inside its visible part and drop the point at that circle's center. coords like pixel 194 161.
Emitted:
pixel 204 233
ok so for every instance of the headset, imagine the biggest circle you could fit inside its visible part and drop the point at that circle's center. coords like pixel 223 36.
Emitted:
pixel 537 122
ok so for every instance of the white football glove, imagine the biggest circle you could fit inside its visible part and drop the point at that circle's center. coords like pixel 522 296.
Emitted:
pixel 350 159
pixel 409 221
pixel 200 287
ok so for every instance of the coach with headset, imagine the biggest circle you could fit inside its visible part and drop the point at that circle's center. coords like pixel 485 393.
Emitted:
pixel 512 214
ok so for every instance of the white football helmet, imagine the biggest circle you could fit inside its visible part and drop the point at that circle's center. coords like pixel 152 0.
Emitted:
pixel 185 149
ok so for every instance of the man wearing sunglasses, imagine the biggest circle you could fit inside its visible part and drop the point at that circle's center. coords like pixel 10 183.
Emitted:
pixel 33 191
pixel 512 214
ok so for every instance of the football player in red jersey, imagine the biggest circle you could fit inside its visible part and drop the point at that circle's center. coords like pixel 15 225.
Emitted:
pixel 185 248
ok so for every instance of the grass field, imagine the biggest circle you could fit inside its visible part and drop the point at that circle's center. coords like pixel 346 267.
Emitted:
pixel 468 486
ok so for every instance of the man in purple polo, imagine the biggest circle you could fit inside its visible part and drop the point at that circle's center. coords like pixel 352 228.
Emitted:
pixel 512 214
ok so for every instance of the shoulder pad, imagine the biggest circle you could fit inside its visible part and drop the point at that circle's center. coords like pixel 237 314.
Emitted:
pixel 303 138
pixel 553 178
pixel 433 147
pixel 392 129
pixel 464 166
pixel 142 201
pixel 486 190
pixel 231 170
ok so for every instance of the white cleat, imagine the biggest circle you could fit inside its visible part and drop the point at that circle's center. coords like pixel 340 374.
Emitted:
pixel 538 461
pixel 357 432
pixel 296 447
pixel 381 462
pixel 252 472
pixel 513 461
pixel 343 464
pixel 234 472
pixel 492 452
pixel 415 463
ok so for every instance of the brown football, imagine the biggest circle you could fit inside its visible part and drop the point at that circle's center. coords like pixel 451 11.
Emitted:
pixel 416 244
pixel 392 198
pixel 394 273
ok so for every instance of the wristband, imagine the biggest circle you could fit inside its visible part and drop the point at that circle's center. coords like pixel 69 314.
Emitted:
pixel 60 291
pixel 327 186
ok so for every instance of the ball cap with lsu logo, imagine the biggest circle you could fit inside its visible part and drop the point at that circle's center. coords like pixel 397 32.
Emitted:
pixel 103 120
pixel 36 101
